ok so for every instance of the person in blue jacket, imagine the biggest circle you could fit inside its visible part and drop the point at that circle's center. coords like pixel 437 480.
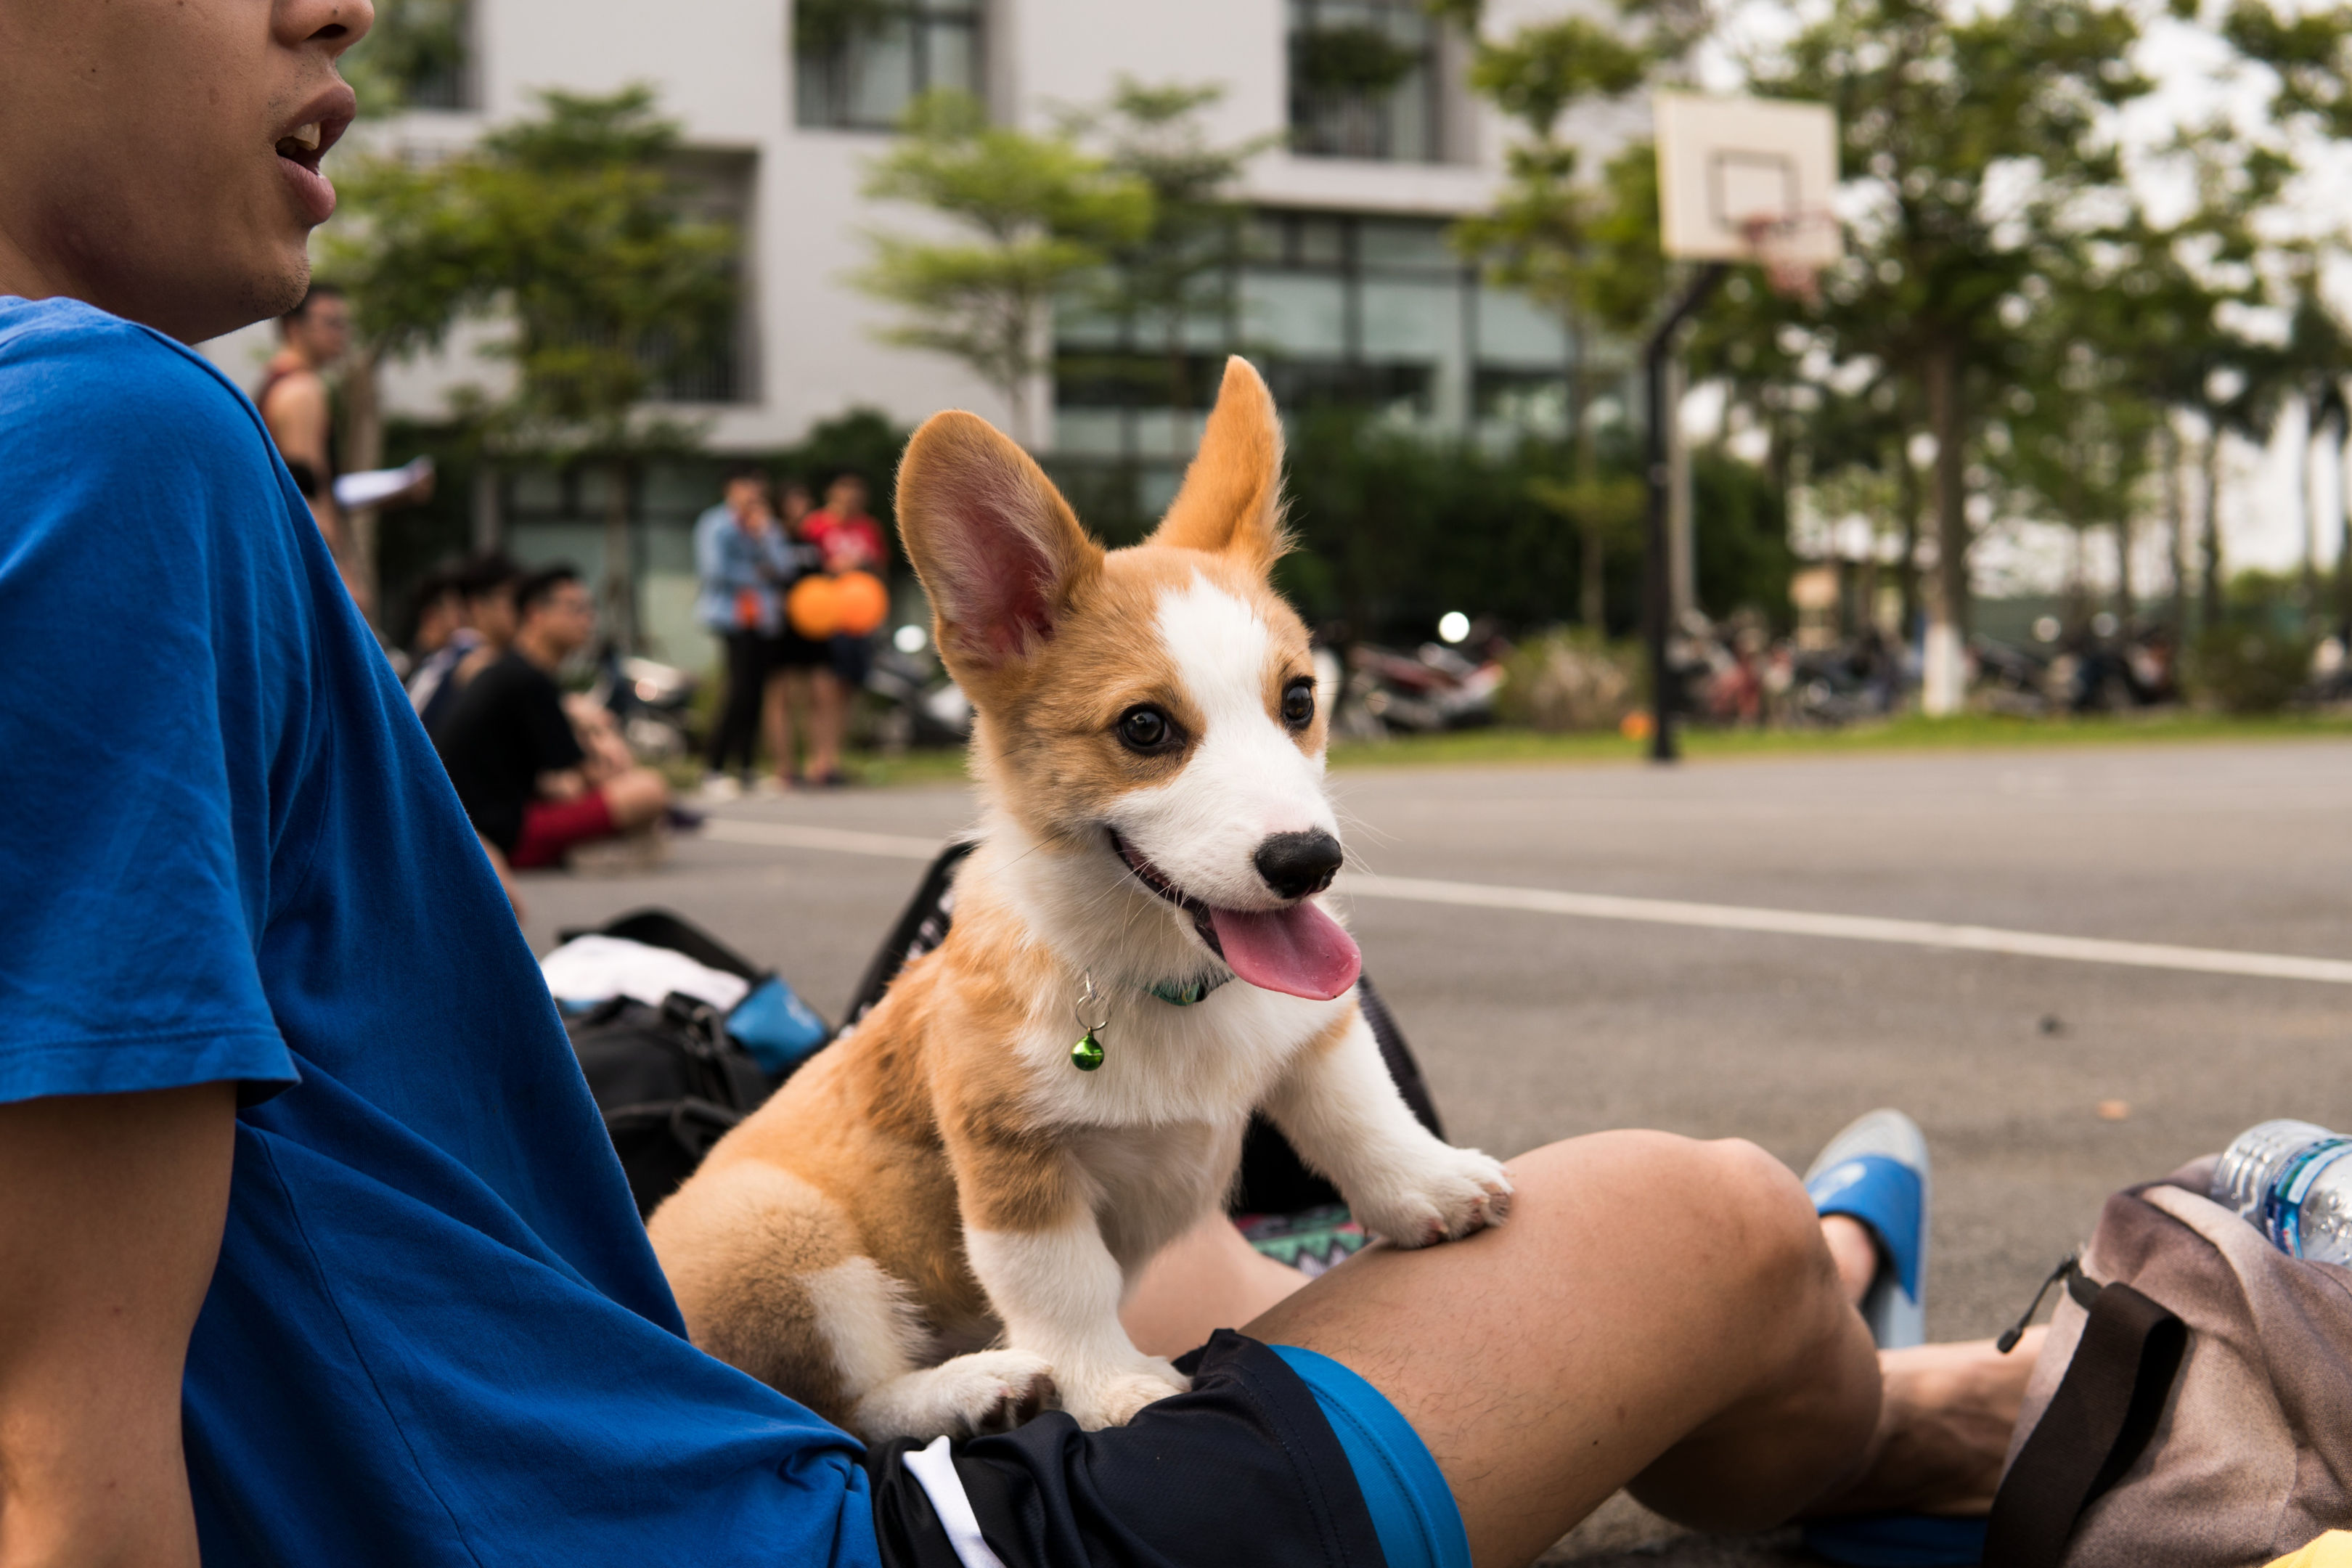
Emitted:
pixel 743 562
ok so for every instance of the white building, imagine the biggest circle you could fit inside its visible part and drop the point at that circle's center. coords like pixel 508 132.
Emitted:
pixel 1346 287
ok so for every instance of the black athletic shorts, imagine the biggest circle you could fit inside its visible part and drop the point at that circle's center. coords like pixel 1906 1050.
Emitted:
pixel 790 650
pixel 852 658
pixel 1247 1469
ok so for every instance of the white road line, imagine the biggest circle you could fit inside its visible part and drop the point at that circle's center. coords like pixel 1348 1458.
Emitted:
pixel 792 836
pixel 1852 928
pixel 1667 911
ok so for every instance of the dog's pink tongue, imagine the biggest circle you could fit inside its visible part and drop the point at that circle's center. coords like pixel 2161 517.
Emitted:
pixel 1300 950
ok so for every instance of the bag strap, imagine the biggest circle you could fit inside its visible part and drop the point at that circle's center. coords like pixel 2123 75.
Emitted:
pixel 2096 1427
pixel 660 927
pixel 921 927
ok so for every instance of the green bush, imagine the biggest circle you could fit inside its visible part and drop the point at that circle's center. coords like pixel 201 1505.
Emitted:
pixel 1571 680
pixel 1396 528
pixel 2246 666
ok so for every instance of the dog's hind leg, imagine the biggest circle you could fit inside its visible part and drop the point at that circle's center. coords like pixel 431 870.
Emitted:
pixel 771 1279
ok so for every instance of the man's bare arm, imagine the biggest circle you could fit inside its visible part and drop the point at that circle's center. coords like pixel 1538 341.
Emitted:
pixel 298 417
pixel 109 1231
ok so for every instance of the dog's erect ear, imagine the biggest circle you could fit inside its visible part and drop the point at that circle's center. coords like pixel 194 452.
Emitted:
pixel 996 546
pixel 1231 497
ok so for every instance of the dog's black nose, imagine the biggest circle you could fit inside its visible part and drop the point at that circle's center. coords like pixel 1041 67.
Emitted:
pixel 1296 864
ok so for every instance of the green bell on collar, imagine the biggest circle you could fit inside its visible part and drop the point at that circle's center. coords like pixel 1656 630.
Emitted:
pixel 1087 1053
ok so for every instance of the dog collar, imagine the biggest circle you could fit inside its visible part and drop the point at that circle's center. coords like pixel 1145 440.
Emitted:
pixel 1087 1053
pixel 1177 995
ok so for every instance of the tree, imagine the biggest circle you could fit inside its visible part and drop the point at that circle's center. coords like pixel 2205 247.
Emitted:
pixel 1978 140
pixel 1042 215
pixel 574 230
pixel 1179 267
pixel 2292 79
pixel 415 54
pixel 1586 252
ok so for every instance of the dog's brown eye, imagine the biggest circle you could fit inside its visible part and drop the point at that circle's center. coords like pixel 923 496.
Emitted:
pixel 1145 729
pixel 1298 704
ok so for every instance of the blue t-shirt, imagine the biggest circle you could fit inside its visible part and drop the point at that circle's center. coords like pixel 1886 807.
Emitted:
pixel 437 1332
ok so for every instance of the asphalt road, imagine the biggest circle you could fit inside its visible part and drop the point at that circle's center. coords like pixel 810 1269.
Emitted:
pixel 1536 1025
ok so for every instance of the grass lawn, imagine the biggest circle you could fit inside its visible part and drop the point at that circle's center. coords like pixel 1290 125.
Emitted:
pixel 1909 734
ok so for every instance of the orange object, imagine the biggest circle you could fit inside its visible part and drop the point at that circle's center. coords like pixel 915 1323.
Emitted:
pixel 814 607
pixel 859 603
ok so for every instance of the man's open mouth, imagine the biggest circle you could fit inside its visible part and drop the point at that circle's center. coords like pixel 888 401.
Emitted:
pixel 308 143
pixel 1295 948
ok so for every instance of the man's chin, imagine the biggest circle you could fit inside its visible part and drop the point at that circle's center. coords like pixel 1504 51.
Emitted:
pixel 273 285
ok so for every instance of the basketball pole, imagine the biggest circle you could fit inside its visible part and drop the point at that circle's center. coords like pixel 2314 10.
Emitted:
pixel 1657 607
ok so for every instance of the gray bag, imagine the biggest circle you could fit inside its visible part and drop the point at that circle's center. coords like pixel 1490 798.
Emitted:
pixel 2193 1405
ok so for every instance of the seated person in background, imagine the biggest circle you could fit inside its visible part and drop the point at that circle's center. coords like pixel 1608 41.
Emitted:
pixel 530 790
pixel 436 616
pixel 486 617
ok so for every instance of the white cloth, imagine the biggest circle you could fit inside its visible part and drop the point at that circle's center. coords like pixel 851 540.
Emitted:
pixel 365 488
pixel 599 968
pixel 935 1471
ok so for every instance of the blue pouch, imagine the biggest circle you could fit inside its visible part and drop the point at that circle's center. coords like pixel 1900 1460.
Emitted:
pixel 779 1030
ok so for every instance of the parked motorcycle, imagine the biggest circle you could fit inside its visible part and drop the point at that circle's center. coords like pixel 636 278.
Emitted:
pixel 922 706
pixel 650 700
pixel 1430 689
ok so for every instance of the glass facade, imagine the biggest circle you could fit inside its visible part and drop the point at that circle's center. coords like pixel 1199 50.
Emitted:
pixel 859 63
pixel 720 362
pixel 1368 312
pixel 1365 81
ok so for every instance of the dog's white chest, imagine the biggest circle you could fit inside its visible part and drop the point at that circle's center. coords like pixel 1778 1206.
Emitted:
pixel 1212 1063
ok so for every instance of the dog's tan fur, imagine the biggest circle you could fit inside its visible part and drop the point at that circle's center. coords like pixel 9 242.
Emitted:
pixel 940 1177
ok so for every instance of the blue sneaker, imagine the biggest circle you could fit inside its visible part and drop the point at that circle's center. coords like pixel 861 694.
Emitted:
pixel 1897 1540
pixel 1876 1171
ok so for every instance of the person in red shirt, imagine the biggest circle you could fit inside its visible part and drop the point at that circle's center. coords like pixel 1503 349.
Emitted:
pixel 846 540
pixel 845 537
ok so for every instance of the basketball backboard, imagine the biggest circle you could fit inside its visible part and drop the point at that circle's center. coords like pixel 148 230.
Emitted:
pixel 1730 168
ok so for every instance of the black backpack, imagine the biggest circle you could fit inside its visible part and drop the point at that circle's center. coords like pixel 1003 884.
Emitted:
pixel 669 1080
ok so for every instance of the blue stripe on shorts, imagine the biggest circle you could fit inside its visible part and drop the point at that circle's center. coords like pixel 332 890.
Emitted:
pixel 1413 1509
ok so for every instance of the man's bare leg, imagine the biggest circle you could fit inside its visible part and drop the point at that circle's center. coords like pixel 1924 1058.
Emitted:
pixel 828 719
pixel 776 712
pixel 1210 1278
pixel 1943 1431
pixel 1945 1420
pixel 1658 1314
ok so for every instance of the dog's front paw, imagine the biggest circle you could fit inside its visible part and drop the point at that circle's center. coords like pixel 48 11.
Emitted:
pixel 965 1396
pixel 1450 1193
pixel 1113 1399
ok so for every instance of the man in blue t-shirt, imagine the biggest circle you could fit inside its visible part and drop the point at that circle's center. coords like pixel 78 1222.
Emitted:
pixel 312 1247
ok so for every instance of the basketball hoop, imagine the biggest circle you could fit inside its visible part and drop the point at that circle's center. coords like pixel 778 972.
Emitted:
pixel 1792 249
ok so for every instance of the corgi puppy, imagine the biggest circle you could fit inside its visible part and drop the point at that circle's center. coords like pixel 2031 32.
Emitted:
pixel 930 1227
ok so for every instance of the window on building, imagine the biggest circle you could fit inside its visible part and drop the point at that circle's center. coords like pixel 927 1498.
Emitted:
pixel 423 49
pixel 718 361
pixel 1337 308
pixel 859 63
pixel 1365 81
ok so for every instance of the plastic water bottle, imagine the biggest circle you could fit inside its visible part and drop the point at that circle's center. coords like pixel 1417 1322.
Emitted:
pixel 2292 1181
